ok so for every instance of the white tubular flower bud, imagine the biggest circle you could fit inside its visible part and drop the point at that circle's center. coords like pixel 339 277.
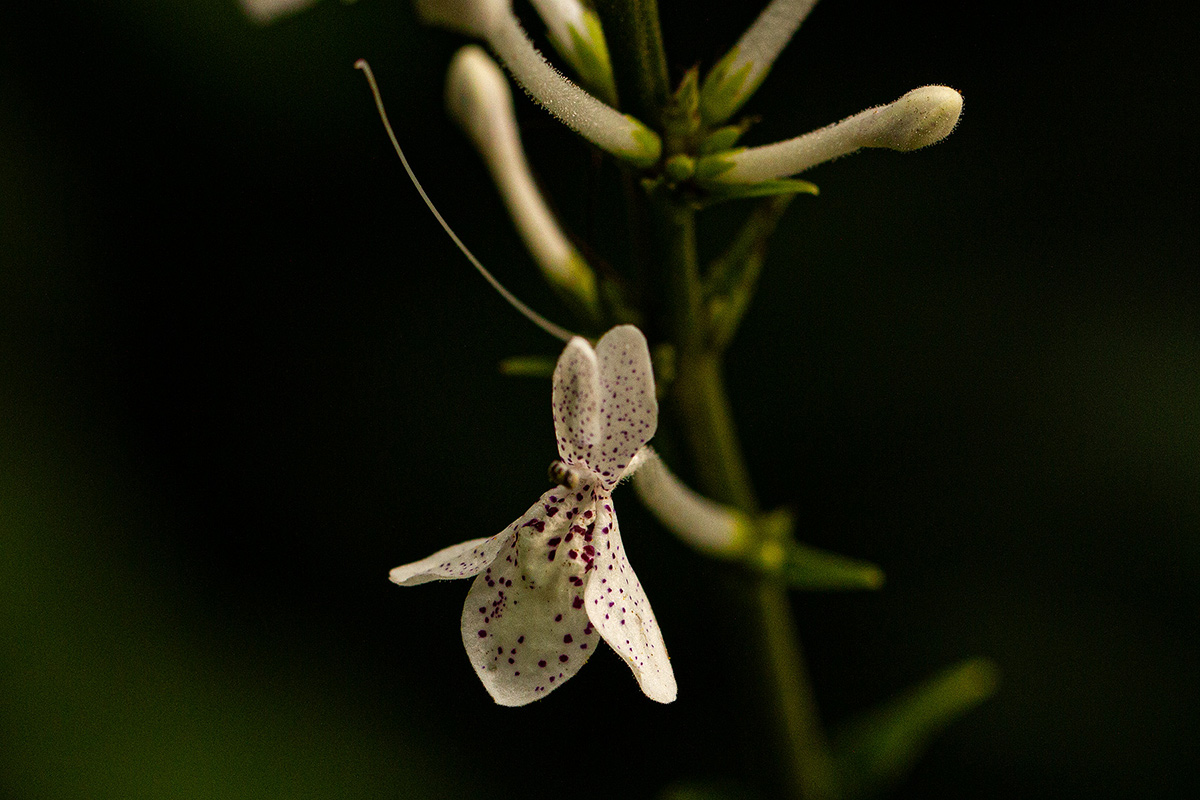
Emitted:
pixel 600 124
pixel 575 32
pixel 700 522
pixel 264 11
pixel 478 97
pixel 740 71
pixel 918 119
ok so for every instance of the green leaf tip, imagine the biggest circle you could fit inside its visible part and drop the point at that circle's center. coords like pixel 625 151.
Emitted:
pixel 877 750
pixel 681 115
pixel 813 569
pixel 781 186
pixel 725 137
pixel 774 552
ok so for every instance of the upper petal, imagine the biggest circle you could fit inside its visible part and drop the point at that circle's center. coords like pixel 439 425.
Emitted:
pixel 460 560
pixel 524 624
pixel 576 403
pixel 628 408
pixel 619 609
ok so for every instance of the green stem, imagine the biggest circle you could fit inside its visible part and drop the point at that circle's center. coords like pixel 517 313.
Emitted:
pixel 802 762
pixel 806 762
pixel 639 62
pixel 708 428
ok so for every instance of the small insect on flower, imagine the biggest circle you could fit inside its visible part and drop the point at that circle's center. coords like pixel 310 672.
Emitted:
pixel 551 585
pixel 566 476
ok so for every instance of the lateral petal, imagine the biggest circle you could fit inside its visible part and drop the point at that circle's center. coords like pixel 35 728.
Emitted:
pixel 460 560
pixel 619 609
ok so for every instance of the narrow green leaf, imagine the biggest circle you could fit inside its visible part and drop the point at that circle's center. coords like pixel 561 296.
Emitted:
pixel 724 138
pixel 801 566
pixel 811 569
pixel 732 278
pixel 719 193
pixel 874 752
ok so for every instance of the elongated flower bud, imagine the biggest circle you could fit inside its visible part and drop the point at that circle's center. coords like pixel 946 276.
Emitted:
pixel 575 31
pixel 478 97
pixel 739 73
pixel 599 123
pixel 919 118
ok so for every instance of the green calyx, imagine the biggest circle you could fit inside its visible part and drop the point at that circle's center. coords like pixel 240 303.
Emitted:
pixel 724 89
pixel 588 54
pixel 648 145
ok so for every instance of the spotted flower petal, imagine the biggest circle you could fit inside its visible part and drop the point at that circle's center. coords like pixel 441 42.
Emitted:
pixel 461 560
pixel 554 582
pixel 604 405
pixel 628 408
pixel 576 402
pixel 619 610
pixel 524 625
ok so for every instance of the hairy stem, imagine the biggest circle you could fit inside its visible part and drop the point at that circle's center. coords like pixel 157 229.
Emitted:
pixel 639 61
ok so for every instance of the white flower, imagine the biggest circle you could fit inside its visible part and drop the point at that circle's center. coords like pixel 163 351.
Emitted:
pixel 556 581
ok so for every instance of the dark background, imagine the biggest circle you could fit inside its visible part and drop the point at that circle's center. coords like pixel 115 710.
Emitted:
pixel 242 375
